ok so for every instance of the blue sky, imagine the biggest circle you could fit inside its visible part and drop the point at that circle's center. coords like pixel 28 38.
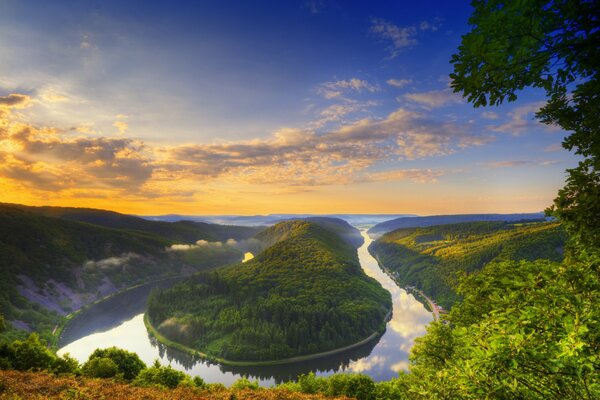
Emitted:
pixel 257 107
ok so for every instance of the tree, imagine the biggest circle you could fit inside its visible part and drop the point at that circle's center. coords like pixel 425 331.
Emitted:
pixel 128 363
pixel 100 367
pixel 553 45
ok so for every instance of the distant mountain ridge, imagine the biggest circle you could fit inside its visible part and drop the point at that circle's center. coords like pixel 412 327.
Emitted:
pixel 431 220
pixel 271 219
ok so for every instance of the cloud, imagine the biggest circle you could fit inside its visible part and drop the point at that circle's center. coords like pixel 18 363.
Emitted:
pixel 337 112
pixel 400 37
pixel 522 120
pixel 314 6
pixel 520 163
pixel 15 100
pixel 434 98
pixel 334 89
pixel 339 156
pixel 553 148
pixel 62 161
pixel 399 83
pixel 111 262
pixel 53 159
pixel 121 126
pixel 490 115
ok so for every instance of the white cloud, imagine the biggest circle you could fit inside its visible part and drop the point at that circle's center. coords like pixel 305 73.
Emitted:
pixel 434 98
pixel 399 83
pixel 522 120
pixel 400 37
pixel 334 89
pixel 490 115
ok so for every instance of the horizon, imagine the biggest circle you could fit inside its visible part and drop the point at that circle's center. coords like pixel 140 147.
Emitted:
pixel 306 107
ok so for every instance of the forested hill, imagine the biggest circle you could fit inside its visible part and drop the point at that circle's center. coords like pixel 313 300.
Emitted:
pixel 343 229
pixel 413 222
pixel 304 294
pixel 430 258
pixel 51 266
pixel 180 231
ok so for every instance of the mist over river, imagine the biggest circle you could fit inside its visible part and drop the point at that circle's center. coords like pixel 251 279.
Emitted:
pixel 118 321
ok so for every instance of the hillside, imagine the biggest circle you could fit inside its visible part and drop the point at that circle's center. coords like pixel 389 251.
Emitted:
pixel 179 231
pixel 52 266
pixel 431 258
pixel 343 229
pixel 304 294
pixel 414 222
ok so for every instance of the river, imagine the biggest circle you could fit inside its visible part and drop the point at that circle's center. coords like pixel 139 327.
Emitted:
pixel 119 322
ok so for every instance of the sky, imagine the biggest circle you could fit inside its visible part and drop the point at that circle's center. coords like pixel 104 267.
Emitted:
pixel 259 107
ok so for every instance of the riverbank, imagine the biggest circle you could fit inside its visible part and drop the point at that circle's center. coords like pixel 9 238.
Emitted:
pixel 434 309
pixel 196 353
pixel 57 333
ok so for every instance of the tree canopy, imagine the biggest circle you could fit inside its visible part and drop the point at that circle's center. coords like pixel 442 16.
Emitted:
pixel 553 45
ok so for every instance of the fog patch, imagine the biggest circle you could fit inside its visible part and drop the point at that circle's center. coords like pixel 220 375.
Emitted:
pixel 242 245
pixel 110 262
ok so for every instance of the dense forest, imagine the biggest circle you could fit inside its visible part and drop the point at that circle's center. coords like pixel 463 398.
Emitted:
pixel 431 220
pixel 52 264
pixel 433 258
pixel 306 293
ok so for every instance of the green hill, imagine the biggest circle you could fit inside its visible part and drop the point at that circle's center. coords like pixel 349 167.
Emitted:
pixel 432 220
pixel 180 231
pixel 52 265
pixel 306 293
pixel 431 258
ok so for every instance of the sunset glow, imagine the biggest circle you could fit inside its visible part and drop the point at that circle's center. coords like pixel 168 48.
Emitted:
pixel 257 108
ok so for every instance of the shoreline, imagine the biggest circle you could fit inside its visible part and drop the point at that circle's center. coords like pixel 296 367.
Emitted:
pixel 290 360
pixel 434 310
pixel 60 328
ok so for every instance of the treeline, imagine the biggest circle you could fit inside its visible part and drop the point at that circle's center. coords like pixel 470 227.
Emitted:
pixel 433 258
pixel 305 294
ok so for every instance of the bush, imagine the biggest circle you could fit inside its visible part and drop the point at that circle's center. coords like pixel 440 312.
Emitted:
pixel 358 386
pixel 100 367
pixel 160 376
pixel 128 363
pixel 312 384
pixel 199 382
pixel 245 383
pixel 31 354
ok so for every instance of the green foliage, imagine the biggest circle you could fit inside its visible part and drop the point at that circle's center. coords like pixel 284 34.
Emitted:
pixel 100 367
pixel 524 330
pixel 357 386
pixel 304 294
pixel 128 364
pixel 2 323
pixel 32 354
pixel 552 45
pixel 245 383
pixel 433 258
pixel 160 376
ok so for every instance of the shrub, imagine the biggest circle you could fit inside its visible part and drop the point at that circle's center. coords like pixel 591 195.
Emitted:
pixel 245 383
pixel 128 363
pixel 358 386
pixel 100 367
pixel 160 376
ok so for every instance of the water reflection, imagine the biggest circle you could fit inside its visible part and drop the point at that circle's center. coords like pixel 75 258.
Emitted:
pixel 120 323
